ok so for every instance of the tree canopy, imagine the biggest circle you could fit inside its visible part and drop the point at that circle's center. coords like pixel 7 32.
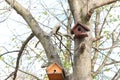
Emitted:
pixel 37 33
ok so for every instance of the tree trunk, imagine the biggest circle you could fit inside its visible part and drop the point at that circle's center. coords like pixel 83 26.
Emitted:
pixel 82 11
pixel 82 60
pixel 82 57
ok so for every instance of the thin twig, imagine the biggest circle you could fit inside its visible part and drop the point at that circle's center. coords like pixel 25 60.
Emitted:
pixel 63 8
pixel 108 48
pixel 103 63
pixel 65 48
pixel 114 62
pixel 104 54
pixel 46 8
pixel 8 52
pixel 22 71
pixel 20 54
pixel 96 40
pixel 117 76
pixel 11 74
pixel 105 20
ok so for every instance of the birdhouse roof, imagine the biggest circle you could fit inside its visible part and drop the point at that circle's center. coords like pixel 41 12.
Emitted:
pixel 52 65
pixel 83 26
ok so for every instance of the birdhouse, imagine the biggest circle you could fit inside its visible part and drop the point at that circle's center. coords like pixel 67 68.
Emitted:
pixel 55 72
pixel 80 30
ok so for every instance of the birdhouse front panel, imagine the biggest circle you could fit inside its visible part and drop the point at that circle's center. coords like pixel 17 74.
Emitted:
pixel 57 76
pixel 54 68
pixel 80 31
pixel 55 72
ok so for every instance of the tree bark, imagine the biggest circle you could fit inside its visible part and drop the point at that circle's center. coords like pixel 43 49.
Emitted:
pixel 43 37
pixel 82 58
pixel 117 76
pixel 99 3
pixel 82 11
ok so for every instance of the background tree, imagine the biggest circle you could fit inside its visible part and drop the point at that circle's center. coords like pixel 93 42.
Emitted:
pixel 96 57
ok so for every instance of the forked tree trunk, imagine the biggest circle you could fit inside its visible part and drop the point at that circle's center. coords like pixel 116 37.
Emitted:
pixel 82 57
pixel 82 11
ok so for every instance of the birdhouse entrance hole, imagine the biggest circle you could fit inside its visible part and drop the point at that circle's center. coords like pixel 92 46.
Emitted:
pixel 79 29
pixel 54 71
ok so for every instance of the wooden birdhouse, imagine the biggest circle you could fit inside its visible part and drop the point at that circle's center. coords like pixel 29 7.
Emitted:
pixel 55 72
pixel 80 30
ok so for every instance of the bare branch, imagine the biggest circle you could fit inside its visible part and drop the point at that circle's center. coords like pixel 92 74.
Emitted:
pixel 117 76
pixel 103 63
pixel 97 23
pixel 20 54
pixel 55 29
pixel 106 56
pixel 105 20
pixel 63 8
pixel 46 8
pixel 93 4
pixel 22 71
pixel 113 62
pixel 11 74
pixel 65 48
pixel 108 48
pixel 43 37
pixel 75 9
pixel 100 3
pixel 8 52
pixel 96 40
